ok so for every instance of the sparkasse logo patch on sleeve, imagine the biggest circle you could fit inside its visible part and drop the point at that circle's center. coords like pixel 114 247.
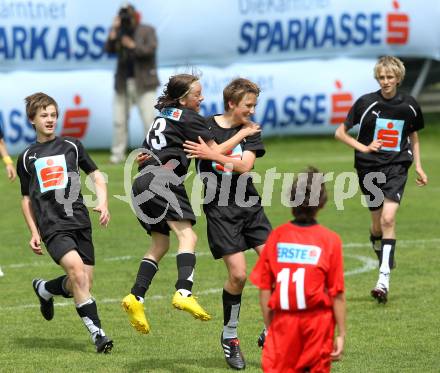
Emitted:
pixel 171 113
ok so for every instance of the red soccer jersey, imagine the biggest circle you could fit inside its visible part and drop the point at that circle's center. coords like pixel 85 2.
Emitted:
pixel 302 265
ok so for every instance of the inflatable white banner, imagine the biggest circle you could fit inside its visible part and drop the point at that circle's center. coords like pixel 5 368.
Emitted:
pixel 306 97
pixel 70 34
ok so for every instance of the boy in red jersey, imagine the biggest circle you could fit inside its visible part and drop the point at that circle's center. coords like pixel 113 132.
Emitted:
pixel 301 280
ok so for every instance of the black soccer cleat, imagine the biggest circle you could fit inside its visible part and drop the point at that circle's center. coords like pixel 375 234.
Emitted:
pixel 380 294
pixel 46 306
pixel 103 344
pixel 262 338
pixel 233 355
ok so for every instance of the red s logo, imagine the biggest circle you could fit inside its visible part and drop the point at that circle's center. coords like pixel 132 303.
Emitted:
pixel 389 136
pixel 397 26
pixel 222 168
pixel 75 121
pixel 52 175
pixel 341 104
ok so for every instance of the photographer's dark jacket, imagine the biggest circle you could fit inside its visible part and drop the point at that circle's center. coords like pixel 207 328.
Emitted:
pixel 144 60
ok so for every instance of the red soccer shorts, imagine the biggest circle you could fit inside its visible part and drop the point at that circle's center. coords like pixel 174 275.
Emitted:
pixel 299 342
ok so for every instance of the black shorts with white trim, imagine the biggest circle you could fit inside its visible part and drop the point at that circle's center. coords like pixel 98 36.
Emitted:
pixel 384 182
pixel 233 229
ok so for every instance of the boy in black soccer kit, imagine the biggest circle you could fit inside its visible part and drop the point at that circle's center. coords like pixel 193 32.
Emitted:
pixel 160 199
pixel 235 218
pixel 385 148
pixel 9 165
pixel 55 214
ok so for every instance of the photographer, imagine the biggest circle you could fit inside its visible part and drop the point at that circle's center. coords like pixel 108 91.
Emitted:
pixel 136 75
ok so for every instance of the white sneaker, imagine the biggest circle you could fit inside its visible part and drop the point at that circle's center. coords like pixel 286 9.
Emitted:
pixel 1 272
pixel 380 292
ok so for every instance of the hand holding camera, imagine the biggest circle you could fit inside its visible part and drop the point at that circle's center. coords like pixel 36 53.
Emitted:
pixel 123 27
pixel 127 21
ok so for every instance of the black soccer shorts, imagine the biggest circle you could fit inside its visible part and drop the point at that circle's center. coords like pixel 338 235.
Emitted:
pixel 60 243
pixel 396 176
pixel 171 205
pixel 232 229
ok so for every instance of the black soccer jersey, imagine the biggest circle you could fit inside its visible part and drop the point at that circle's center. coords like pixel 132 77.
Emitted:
pixel 391 121
pixel 168 133
pixel 49 175
pixel 227 184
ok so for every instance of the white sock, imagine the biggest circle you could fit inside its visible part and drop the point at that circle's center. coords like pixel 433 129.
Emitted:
pixel 96 333
pixel 184 292
pixel 230 329
pixel 385 266
pixel 42 290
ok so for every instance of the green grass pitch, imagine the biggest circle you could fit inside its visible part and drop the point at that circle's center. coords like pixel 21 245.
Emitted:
pixel 401 336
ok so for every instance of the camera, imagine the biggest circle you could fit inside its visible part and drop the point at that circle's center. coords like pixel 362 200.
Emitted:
pixel 126 16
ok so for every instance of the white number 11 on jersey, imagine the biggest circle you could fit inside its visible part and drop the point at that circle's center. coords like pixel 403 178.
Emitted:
pixel 283 278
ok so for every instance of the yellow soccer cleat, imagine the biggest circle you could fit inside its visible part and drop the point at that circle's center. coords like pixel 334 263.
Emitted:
pixel 190 304
pixel 136 313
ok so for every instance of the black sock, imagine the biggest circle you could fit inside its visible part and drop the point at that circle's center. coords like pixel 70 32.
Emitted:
pixel 231 314
pixel 388 248
pixel 185 270
pixel 89 315
pixel 57 286
pixel 377 248
pixel 147 270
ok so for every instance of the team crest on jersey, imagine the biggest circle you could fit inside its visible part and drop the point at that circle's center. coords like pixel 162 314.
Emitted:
pixel 390 132
pixel 171 113
pixel 235 153
pixel 298 253
pixel 51 172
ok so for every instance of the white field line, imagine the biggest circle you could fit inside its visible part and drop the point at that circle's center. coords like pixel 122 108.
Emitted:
pixel 367 265
pixel 349 245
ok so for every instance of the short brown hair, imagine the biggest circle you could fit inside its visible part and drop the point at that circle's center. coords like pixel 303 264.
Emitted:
pixel 237 89
pixel 390 63
pixel 309 184
pixel 38 101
